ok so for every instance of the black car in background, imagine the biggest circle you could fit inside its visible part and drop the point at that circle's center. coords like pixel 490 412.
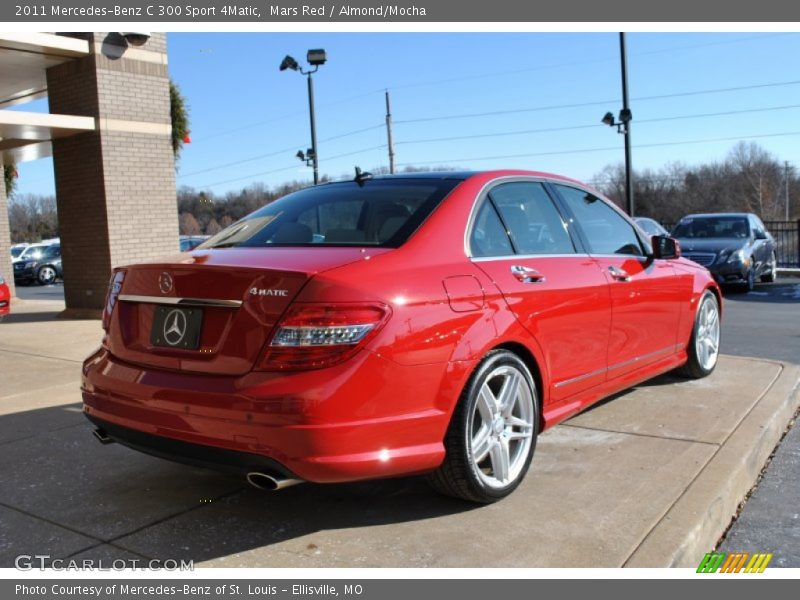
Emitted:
pixel 735 247
pixel 44 269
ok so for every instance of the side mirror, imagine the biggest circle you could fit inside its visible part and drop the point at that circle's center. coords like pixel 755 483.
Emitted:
pixel 761 235
pixel 666 247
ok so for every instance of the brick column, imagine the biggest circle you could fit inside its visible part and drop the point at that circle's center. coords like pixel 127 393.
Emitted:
pixel 115 187
pixel 5 238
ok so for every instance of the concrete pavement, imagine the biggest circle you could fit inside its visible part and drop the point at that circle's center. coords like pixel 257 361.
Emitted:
pixel 649 478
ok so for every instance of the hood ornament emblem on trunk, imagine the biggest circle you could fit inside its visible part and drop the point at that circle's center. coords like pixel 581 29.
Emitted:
pixel 165 283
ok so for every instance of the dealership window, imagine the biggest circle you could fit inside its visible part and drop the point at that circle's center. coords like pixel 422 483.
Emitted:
pixel 606 231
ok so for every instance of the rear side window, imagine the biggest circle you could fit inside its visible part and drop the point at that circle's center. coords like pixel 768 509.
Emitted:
pixel 381 213
pixel 489 237
pixel 606 231
pixel 531 218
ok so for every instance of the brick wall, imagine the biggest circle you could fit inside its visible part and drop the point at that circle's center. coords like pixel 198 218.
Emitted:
pixel 115 187
pixel 5 238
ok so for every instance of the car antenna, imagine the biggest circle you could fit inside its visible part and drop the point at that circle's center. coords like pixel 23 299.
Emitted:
pixel 362 176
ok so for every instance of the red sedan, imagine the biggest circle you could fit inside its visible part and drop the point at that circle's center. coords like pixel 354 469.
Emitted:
pixel 5 298
pixel 430 323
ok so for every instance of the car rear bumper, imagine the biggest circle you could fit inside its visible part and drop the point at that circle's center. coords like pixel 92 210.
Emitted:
pixel 343 423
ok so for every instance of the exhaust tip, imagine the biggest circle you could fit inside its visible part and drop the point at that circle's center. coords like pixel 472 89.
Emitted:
pixel 270 483
pixel 102 436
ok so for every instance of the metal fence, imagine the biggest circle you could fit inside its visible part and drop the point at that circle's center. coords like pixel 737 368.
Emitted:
pixel 787 241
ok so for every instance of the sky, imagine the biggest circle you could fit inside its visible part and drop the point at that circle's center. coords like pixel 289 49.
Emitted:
pixel 248 119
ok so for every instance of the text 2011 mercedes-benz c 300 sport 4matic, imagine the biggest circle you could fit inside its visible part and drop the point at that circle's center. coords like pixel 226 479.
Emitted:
pixel 427 323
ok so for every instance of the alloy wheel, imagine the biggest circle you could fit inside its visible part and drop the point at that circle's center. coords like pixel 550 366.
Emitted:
pixel 501 427
pixel 707 338
pixel 47 275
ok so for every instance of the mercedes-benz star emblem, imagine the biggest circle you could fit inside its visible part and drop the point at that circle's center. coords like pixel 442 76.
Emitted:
pixel 165 282
pixel 174 327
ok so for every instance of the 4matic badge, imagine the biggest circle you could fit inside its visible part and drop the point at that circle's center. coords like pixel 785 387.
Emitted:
pixel 268 292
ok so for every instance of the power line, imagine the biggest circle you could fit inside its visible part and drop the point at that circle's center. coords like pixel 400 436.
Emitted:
pixel 601 149
pixel 205 185
pixel 597 103
pixel 276 152
pixel 589 126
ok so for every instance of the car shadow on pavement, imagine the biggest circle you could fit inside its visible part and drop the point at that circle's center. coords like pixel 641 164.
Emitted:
pixel 782 292
pixel 63 480
pixel 31 317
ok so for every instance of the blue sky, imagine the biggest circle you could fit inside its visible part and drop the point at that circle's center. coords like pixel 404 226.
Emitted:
pixel 244 111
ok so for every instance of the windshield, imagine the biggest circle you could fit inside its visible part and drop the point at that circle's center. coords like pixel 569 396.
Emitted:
pixel 712 227
pixel 32 252
pixel 15 252
pixel 382 212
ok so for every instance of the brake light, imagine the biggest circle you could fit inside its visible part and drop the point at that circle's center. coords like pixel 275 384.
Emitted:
pixel 313 336
pixel 114 287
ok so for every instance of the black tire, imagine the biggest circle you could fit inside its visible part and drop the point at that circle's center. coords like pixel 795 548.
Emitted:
pixel 46 275
pixel 770 276
pixel 457 475
pixel 750 283
pixel 694 369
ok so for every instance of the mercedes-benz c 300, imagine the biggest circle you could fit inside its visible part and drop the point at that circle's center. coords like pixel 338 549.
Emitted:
pixel 427 323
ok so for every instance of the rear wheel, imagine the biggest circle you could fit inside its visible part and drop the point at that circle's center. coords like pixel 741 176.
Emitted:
pixel 46 275
pixel 703 349
pixel 772 274
pixel 492 435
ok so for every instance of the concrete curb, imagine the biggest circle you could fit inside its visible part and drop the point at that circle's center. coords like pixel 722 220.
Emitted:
pixel 695 522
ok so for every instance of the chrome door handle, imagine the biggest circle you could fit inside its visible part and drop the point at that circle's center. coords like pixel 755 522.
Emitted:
pixel 527 275
pixel 619 274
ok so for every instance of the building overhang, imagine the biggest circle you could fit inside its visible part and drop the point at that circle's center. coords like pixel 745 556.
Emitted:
pixel 25 58
pixel 27 136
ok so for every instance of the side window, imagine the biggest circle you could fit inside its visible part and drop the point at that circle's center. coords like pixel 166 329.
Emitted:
pixel 488 237
pixel 606 231
pixel 532 220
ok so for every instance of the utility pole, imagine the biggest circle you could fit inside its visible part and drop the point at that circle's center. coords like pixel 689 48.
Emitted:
pixel 786 183
pixel 626 110
pixel 390 140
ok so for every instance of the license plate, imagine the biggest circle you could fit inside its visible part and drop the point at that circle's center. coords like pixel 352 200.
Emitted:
pixel 176 327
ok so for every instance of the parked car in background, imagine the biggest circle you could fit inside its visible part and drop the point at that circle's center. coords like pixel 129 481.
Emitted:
pixel 650 226
pixel 426 323
pixel 735 247
pixel 190 242
pixel 17 249
pixel 43 270
pixel 5 298
pixel 30 252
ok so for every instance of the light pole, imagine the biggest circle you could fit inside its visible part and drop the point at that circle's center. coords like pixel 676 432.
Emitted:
pixel 315 58
pixel 623 126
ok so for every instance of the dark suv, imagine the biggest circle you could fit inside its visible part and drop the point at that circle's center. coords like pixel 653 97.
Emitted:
pixel 735 247
pixel 44 270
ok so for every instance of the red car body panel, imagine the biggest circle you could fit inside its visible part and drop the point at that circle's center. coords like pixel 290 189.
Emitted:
pixel 5 299
pixel 384 411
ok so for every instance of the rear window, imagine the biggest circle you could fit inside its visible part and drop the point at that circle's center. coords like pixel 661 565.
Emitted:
pixel 380 213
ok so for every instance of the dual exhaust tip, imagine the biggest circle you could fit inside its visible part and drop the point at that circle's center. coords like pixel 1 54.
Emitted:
pixel 258 479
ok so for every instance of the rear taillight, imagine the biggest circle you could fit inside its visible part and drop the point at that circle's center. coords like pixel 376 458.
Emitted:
pixel 312 336
pixel 114 286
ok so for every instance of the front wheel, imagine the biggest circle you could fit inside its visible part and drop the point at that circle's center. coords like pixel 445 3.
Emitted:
pixel 492 435
pixel 772 274
pixel 703 349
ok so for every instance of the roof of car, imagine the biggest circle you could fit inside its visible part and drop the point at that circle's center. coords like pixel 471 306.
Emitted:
pixel 721 214
pixel 466 174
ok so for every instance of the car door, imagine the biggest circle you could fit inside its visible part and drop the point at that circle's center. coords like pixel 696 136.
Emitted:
pixel 762 245
pixel 646 293
pixel 554 289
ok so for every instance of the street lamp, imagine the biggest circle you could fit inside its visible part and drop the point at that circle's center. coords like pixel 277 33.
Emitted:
pixel 315 58
pixel 623 125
